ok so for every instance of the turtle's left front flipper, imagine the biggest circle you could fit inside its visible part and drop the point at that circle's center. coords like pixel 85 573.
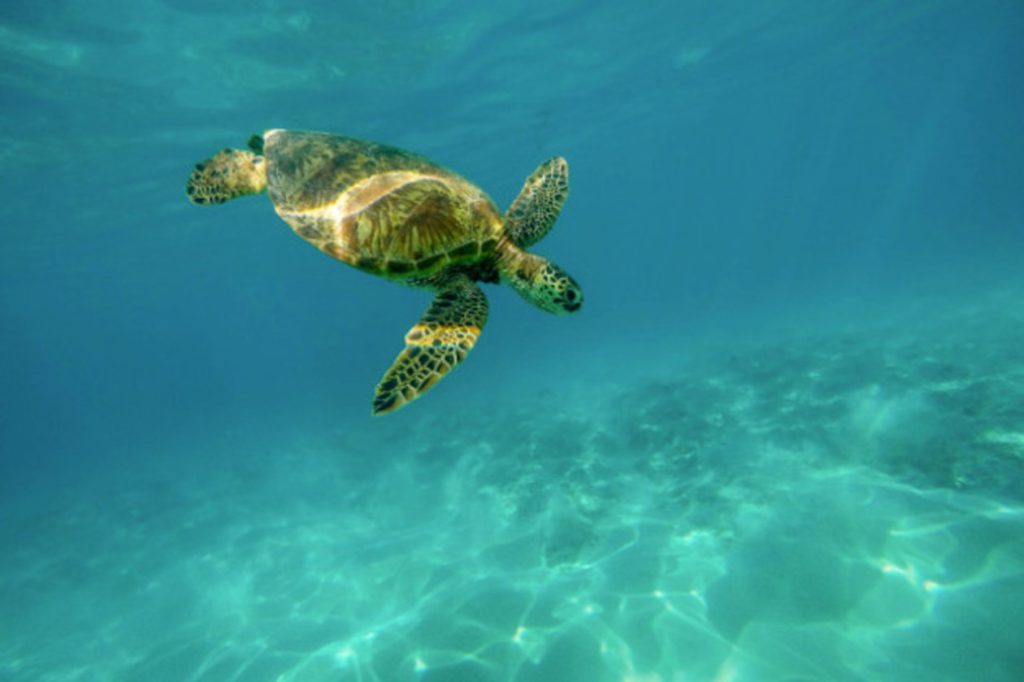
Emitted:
pixel 535 210
pixel 439 341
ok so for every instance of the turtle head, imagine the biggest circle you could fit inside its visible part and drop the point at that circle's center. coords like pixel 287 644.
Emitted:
pixel 230 173
pixel 542 283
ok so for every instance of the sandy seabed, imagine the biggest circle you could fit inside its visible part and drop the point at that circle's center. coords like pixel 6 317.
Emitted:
pixel 835 504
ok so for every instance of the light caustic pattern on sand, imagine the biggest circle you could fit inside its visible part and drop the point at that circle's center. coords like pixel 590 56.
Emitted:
pixel 829 508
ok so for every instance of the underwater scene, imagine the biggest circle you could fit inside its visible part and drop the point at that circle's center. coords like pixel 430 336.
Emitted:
pixel 647 341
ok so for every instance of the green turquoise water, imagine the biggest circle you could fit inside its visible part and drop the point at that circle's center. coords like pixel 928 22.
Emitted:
pixel 783 440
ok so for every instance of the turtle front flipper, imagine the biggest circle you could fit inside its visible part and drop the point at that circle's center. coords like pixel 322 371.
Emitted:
pixel 440 340
pixel 231 173
pixel 535 210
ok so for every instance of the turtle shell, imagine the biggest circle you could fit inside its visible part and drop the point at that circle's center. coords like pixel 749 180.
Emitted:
pixel 376 207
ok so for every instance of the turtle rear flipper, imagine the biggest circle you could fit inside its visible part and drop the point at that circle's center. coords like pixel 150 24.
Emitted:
pixel 535 210
pixel 440 340
pixel 231 173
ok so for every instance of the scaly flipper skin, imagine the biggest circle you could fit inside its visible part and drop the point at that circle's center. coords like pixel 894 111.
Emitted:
pixel 535 210
pixel 440 340
pixel 229 174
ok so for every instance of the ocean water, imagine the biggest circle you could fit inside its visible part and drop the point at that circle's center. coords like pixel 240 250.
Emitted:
pixel 782 441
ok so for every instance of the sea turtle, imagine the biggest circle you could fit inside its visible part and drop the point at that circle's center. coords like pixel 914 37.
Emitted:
pixel 401 216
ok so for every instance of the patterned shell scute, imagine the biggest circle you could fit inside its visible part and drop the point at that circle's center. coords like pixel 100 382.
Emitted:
pixel 376 207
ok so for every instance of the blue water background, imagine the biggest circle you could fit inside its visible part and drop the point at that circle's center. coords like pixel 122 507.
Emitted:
pixel 799 228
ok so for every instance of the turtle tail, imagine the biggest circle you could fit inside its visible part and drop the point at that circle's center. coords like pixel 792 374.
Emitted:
pixel 231 173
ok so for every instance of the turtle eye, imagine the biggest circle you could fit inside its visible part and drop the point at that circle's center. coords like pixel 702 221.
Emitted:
pixel 570 295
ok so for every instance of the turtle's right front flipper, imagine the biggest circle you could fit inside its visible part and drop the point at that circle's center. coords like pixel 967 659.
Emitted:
pixel 439 341
pixel 231 173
